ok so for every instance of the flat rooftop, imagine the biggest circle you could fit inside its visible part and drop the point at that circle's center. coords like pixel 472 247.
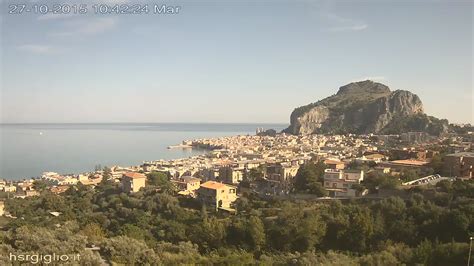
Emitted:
pixel 409 162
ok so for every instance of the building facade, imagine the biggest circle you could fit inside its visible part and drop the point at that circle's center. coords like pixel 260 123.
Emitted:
pixel 459 164
pixel 340 183
pixel 133 182
pixel 230 175
pixel 283 172
pixel 217 195
pixel 187 185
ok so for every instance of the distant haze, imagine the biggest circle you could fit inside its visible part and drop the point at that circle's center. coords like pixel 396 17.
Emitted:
pixel 232 61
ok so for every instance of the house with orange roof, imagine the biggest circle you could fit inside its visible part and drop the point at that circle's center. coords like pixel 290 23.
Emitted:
pixel 133 182
pixel 217 195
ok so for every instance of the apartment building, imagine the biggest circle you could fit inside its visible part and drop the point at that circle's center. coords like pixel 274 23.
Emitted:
pixel 282 172
pixel 339 183
pixel 132 182
pixel 217 195
pixel 231 175
pixel 187 185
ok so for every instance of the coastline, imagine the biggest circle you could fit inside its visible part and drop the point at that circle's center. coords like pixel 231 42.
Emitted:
pixel 28 150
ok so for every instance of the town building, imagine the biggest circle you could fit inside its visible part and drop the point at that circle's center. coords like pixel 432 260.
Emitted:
pixel 133 182
pixel 24 185
pixel 8 188
pixel 59 189
pixel 334 164
pixel 414 137
pixel 2 208
pixel 187 185
pixel 340 183
pixel 412 154
pixel 459 164
pixel 94 181
pixel 230 175
pixel 399 165
pixel 375 157
pixel 217 195
pixel 382 170
pixel 283 172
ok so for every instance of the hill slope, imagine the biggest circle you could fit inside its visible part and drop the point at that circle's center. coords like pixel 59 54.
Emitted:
pixel 364 107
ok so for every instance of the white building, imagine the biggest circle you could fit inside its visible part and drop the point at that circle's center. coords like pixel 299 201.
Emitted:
pixel 339 183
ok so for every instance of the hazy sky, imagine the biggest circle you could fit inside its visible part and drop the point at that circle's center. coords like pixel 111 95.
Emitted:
pixel 232 61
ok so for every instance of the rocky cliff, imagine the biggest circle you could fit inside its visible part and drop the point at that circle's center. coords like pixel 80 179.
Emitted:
pixel 359 107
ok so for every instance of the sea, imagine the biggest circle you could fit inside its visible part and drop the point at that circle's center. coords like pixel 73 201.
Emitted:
pixel 28 150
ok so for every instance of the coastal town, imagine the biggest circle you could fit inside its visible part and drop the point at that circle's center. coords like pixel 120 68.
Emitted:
pixel 267 163
pixel 297 133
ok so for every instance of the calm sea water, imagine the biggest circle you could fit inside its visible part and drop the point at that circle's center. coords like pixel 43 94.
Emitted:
pixel 27 150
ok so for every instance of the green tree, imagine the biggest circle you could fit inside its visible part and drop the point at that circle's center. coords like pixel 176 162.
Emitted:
pixel 94 233
pixel 161 180
pixel 40 185
pixel 409 175
pixel 437 163
pixel 257 233
pixel 128 251
pixel 308 176
pixel 296 229
pixel 255 174
pixel 317 188
pixel 357 235
pixel 444 186
pixel 107 173
pixel 133 231
pixel 209 234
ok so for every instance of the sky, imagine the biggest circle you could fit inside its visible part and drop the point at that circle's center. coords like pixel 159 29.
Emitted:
pixel 230 61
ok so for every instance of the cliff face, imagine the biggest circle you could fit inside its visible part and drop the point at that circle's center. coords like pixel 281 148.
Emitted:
pixel 359 107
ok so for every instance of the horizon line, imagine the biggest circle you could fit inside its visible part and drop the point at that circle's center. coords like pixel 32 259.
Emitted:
pixel 75 123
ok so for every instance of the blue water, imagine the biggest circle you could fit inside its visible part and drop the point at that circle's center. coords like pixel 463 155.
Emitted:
pixel 27 150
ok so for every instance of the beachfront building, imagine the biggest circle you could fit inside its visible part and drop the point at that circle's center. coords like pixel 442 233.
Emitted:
pixel 133 182
pixel 340 183
pixel 217 195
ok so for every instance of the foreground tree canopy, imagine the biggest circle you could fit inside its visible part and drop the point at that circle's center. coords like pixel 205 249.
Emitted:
pixel 154 226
